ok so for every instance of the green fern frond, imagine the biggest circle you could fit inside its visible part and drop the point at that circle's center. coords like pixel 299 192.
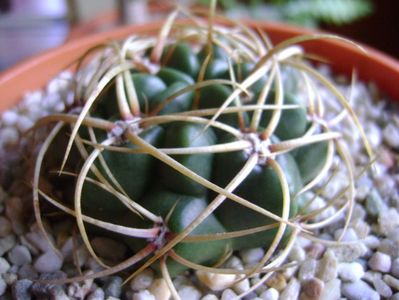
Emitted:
pixel 336 12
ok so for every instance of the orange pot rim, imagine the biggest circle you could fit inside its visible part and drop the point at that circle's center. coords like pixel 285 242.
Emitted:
pixel 34 73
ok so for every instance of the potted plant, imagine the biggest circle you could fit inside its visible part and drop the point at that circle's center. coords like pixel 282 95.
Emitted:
pixel 187 141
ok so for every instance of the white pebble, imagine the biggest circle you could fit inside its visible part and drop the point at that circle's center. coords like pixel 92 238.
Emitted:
pixel 3 286
pixel 9 118
pixel 189 292
pixel 214 281
pixel 391 281
pixel 159 288
pixel 38 240
pixel 307 269
pixel 292 290
pixel 143 295
pixel 242 286
pixel 142 281
pixel 9 136
pixel 59 107
pixel 32 99
pixel 328 267
pixel 209 297
pixel 227 295
pixel 348 235
pixel 359 290
pixel 391 135
pixel 252 256
pixel 4 265
pixel 270 294
pixel 382 288
pixel 395 267
pixel 372 242
pixel 48 262
pixel 24 123
pixel 297 254
pixel 6 243
pixel 350 271
pixel 19 255
pixel 374 134
pixel 380 262
pixel 388 220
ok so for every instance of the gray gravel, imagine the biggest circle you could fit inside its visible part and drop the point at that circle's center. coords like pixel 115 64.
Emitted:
pixel 365 269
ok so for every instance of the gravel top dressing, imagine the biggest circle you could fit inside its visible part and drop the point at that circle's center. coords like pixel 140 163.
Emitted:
pixel 358 259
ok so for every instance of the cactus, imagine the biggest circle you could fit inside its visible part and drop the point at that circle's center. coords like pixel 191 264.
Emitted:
pixel 193 144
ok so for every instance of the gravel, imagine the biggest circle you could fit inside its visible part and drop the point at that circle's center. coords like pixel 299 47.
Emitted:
pixel 364 266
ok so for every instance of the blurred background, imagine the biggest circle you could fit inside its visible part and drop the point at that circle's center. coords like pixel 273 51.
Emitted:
pixel 28 27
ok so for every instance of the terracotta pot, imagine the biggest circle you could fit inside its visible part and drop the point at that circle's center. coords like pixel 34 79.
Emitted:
pixel 37 71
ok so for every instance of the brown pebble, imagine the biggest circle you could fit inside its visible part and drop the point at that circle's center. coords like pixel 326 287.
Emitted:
pixel 315 250
pixel 277 282
pixel 313 288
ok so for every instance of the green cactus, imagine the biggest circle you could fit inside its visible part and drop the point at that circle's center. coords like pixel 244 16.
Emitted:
pixel 206 155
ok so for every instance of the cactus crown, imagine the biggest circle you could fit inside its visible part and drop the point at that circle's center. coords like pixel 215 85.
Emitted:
pixel 192 143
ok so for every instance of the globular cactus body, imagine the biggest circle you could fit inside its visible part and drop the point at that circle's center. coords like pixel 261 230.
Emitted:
pixel 209 162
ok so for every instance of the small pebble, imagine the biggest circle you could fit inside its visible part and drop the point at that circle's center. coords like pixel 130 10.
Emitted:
pixel 389 247
pixel 388 220
pixel 5 227
pixel 315 250
pixel 189 292
pixel 3 286
pixel 24 123
pixel 348 235
pixel 113 287
pixel 209 297
pixel 216 282
pixel 350 271
pixel 242 286
pixel 372 242
pixel 27 271
pixel 359 290
pixel 380 262
pixel 4 265
pixel 361 228
pixel 39 241
pixel 349 252
pixel 382 288
pixel 277 281
pixel 48 262
pixel 227 295
pixel 9 118
pixel 252 256
pixel 7 243
pixel 21 289
pixel 297 254
pixel 142 281
pixel 42 289
pixel 270 294
pixel 313 288
pixel 292 290
pixel 393 234
pixel 395 267
pixel 159 289
pixel 9 136
pixel 143 295
pixel 391 135
pixel 374 203
pixel 393 282
pixel 307 269
pixel 19 255
pixel 328 267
